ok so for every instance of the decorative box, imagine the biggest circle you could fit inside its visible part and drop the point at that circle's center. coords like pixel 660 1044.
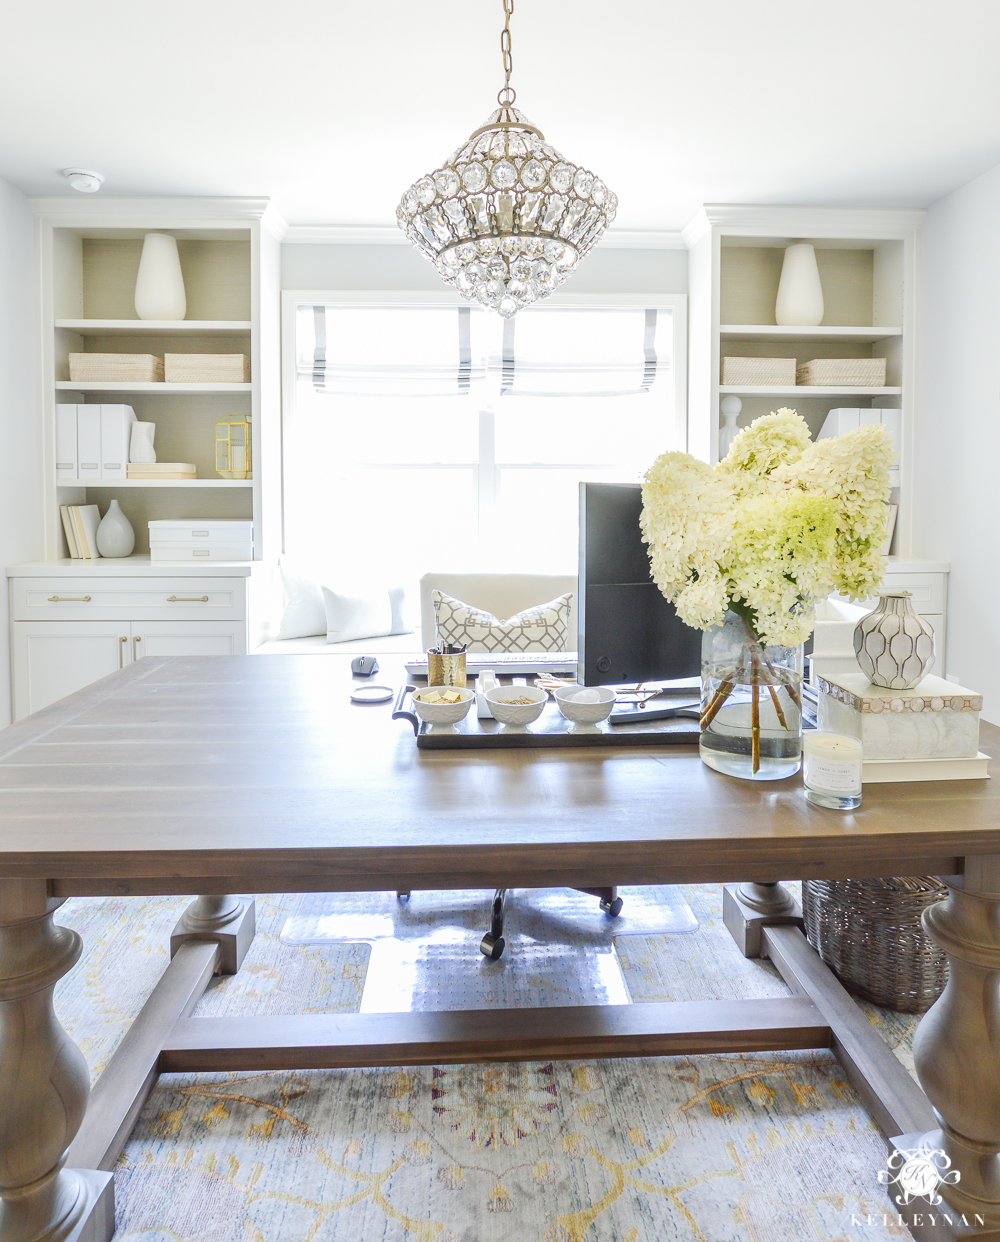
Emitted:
pixel 752 371
pixel 115 368
pixel 936 720
pixel 206 368
pixel 212 539
pixel 862 372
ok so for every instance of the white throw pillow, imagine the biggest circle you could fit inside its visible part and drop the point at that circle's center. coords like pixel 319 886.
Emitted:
pixel 363 613
pixel 305 612
pixel 542 628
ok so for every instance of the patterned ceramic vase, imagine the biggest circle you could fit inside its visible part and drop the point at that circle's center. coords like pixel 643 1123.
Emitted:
pixel 894 646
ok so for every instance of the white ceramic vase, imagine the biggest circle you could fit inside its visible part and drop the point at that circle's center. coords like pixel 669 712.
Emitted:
pixel 140 448
pixel 730 408
pixel 800 294
pixel 159 287
pixel 115 536
pixel 894 646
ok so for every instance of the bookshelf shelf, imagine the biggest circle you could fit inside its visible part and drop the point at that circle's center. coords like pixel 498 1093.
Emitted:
pixel 159 327
pixel 135 386
pixel 805 390
pixel 115 484
pixel 774 332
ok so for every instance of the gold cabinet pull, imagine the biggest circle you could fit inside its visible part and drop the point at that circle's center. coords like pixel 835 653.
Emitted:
pixel 123 639
pixel 66 599
pixel 135 648
pixel 187 599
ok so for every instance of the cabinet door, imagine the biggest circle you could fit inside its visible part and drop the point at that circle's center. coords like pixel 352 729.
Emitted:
pixel 188 638
pixel 54 658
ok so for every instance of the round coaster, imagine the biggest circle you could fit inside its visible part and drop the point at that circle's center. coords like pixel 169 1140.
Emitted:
pixel 372 694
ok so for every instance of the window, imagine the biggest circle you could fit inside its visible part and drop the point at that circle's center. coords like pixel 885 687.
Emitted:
pixel 440 437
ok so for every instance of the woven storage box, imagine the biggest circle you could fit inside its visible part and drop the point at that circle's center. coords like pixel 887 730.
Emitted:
pixel 115 368
pixel 868 932
pixel 207 368
pixel 758 371
pixel 862 372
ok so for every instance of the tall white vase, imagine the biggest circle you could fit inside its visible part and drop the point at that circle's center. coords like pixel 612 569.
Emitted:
pixel 115 536
pixel 159 287
pixel 800 294
pixel 730 408
pixel 140 448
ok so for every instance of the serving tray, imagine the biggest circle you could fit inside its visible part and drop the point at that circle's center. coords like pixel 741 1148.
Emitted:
pixel 551 729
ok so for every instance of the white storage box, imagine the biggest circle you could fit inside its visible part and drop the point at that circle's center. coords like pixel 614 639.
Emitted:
pixel 200 552
pixel 208 531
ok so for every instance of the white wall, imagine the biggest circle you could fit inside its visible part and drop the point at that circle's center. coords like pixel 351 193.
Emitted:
pixel 957 440
pixel 20 452
pixel 342 266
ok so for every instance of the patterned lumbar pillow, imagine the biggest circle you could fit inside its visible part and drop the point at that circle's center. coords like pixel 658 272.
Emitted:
pixel 542 628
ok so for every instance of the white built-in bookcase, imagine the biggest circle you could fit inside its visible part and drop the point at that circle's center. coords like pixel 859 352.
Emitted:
pixel 89 254
pixel 867 265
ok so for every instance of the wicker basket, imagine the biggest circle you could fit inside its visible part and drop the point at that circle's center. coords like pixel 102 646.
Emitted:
pixel 860 372
pixel 752 371
pixel 115 368
pixel 868 932
pixel 206 368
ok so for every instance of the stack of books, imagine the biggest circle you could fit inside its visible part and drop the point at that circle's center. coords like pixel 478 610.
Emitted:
pixel 162 470
pixel 80 522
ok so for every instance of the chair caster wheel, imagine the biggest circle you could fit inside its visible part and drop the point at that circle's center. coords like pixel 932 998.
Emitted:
pixel 492 948
pixel 612 908
pixel 402 896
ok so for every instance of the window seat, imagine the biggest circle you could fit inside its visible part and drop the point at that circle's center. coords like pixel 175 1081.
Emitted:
pixel 316 644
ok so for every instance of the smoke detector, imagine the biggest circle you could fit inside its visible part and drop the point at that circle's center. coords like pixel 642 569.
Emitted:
pixel 84 179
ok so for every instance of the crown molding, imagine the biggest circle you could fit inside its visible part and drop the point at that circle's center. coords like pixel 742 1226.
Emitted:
pixel 388 235
pixel 110 212
pixel 801 221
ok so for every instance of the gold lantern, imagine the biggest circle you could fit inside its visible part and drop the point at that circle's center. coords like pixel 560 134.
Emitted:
pixel 233 456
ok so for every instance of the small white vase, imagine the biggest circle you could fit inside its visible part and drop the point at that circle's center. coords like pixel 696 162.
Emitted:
pixel 800 294
pixel 159 287
pixel 894 646
pixel 140 447
pixel 115 536
pixel 730 408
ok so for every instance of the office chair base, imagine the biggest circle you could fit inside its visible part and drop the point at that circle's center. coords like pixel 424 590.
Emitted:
pixel 492 948
pixel 612 908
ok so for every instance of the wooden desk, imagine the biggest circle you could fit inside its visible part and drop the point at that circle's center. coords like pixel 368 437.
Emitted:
pixel 221 776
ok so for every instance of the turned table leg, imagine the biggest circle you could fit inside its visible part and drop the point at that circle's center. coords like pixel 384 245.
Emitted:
pixel 957 1047
pixel 44 1080
pixel 227 920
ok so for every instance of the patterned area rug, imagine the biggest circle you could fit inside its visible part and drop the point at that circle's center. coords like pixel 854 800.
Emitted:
pixel 748 1148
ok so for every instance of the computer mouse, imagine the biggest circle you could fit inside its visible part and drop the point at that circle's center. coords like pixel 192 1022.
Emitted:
pixel 364 666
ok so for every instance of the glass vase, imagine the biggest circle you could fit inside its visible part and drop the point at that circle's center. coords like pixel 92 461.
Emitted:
pixel 751 703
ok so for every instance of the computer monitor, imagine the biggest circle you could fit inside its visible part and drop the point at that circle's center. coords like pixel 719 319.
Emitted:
pixel 627 631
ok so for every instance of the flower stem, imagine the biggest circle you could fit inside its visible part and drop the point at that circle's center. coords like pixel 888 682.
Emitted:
pixel 715 706
pixel 755 718
pixel 773 691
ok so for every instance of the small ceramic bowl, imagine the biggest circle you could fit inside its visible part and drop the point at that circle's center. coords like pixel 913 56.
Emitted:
pixel 516 715
pixel 443 716
pixel 585 714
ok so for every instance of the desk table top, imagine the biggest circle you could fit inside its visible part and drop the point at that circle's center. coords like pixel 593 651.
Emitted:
pixel 256 773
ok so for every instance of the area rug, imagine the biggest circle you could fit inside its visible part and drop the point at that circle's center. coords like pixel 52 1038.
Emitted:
pixel 749 1148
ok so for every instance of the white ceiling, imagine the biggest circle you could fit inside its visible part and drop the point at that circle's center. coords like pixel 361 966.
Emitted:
pixel 333 108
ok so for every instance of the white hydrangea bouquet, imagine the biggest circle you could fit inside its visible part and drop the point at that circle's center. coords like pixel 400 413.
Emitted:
pixel 777 525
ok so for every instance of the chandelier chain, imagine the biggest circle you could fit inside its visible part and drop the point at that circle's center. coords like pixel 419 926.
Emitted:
pixel 507 95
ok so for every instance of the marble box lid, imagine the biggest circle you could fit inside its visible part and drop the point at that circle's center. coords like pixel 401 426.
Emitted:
pixel 933 694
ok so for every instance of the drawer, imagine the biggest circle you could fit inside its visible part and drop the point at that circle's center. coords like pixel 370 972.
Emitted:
pixel 113 598
pixel 927 591
pixel 200 552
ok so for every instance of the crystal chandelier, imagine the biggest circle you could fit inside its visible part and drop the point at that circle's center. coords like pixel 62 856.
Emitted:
pixel 506 219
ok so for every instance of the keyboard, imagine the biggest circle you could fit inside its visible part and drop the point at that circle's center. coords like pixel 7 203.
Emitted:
pixel 509 662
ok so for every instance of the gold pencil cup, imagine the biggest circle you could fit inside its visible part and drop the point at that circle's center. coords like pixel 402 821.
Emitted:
pixel 446 666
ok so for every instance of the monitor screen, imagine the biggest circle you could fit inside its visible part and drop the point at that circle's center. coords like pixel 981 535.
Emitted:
pixel 628 631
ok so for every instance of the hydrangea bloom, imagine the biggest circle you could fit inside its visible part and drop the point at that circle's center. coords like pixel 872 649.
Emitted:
pixel 777 525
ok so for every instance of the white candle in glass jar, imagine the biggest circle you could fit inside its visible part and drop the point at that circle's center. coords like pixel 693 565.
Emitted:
pixel 831 766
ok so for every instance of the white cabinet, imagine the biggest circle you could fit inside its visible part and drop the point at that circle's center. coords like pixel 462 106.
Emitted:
pixel 54 658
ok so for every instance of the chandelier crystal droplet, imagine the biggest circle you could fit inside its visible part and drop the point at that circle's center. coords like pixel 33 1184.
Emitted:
pixel 506 219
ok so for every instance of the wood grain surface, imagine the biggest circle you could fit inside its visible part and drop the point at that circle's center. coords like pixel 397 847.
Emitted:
pixel 256 773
